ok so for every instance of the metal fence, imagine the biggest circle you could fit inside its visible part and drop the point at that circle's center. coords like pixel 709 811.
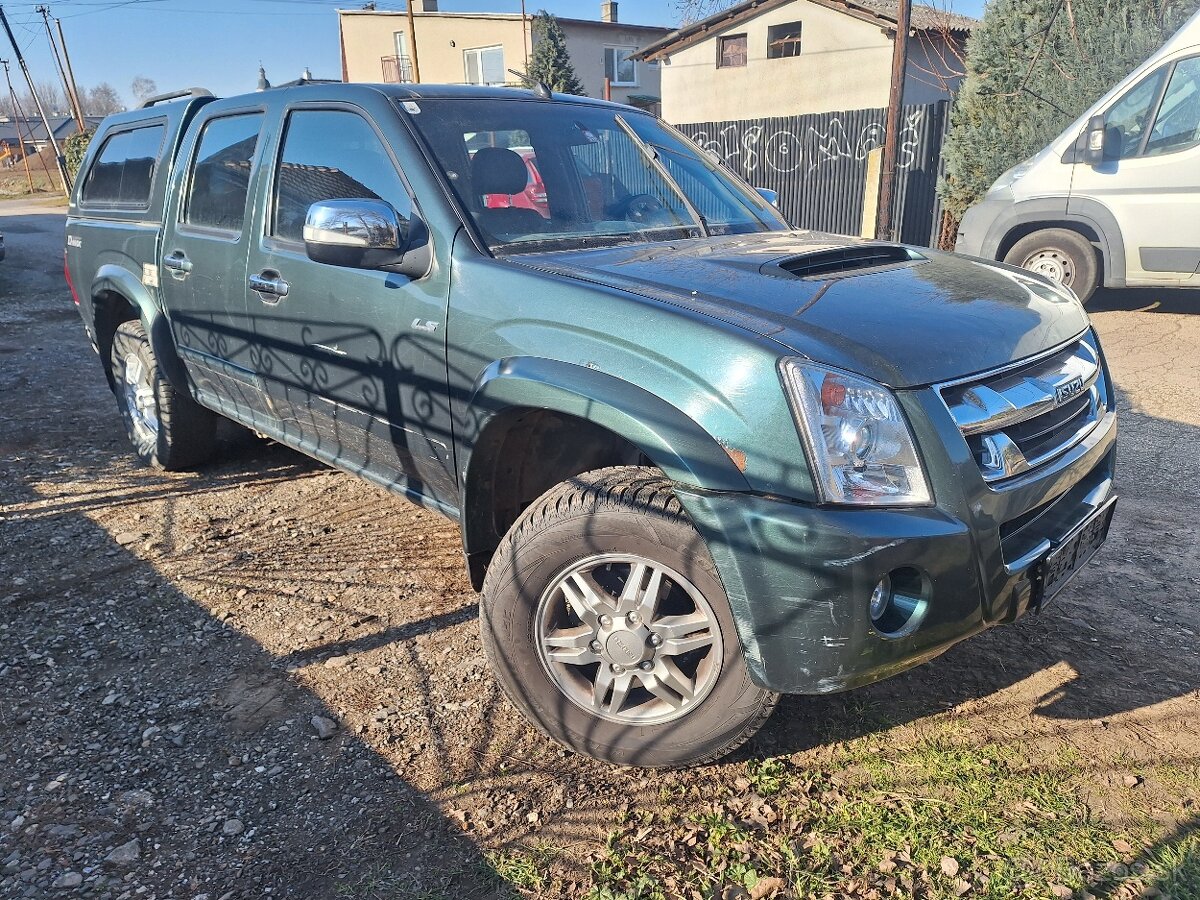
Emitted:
pixel 818 165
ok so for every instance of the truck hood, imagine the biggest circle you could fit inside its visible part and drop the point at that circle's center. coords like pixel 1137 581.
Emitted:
pixel 901 316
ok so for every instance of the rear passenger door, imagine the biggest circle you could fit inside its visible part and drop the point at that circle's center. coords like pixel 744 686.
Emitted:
pixel 203 264
pixel 353 359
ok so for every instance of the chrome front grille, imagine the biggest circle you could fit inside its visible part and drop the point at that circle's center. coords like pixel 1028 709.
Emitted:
pixel 1025 415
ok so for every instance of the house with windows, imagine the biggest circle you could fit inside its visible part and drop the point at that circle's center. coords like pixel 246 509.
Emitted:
pixel 763 58
pixel 484 48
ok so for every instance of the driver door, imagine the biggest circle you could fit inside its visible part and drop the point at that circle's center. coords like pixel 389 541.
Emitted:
pixel 354 360
pixel 1153 189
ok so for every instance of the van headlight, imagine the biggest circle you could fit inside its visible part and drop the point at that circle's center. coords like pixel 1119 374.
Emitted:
pixel 860 445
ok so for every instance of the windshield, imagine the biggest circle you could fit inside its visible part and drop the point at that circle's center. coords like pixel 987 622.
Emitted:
pixel 548 176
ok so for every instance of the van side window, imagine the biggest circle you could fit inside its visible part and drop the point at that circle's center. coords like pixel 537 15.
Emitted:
pixel 1131 114
pixel 331 155
pixel 124 169
pixel 221 169
pixel 1177 125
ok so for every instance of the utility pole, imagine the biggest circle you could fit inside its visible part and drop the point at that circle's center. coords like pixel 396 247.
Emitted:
pixel 58 155
pixel 62 39
pixel 526 34
pixel 891 137
pixel 45 13
pixel 412 43
pixel 17 117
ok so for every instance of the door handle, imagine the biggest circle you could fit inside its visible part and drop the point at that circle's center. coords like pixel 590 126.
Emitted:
pixel 269 283
pixel 178 262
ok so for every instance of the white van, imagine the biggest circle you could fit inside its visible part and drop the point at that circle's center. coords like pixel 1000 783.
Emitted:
pixel 1115 198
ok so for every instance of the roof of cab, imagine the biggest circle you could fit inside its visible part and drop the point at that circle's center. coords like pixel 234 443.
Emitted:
pixel 416 92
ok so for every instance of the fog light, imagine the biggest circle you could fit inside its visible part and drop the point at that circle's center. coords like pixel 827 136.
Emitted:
pixel 899 601
pixel 880 598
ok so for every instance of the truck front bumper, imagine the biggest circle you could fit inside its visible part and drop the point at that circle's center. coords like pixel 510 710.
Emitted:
pixel 800 577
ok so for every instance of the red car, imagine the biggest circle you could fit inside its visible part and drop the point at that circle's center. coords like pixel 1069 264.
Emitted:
pixel 534 195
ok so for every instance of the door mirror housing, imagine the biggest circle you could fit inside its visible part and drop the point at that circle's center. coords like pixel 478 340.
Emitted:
pixel 365 234
pixel 769 195
pixel 1100 143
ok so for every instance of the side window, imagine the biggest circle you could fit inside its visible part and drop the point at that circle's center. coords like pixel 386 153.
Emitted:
pixel 124 170
pixel 331 155
pixel 221 173
pixel 1131 114
pixel 1177 125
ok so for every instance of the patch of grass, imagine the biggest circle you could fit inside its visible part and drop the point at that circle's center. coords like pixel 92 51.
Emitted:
pixel 474 881
pixel 620 875
pixel 768 776
pixel 940 817
pixel 527 869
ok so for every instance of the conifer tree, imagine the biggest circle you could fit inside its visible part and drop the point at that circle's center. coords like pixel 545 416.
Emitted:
pixel 1032 67
pixel 550 62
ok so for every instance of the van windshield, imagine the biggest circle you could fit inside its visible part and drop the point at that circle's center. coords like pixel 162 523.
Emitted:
pixel 538 176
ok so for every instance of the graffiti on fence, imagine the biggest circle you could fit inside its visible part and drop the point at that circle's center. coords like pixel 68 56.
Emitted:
pixel 748 146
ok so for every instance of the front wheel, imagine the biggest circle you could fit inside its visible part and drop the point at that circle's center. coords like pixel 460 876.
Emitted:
pixel 168 430
pixel 1063 256
pixel 606 624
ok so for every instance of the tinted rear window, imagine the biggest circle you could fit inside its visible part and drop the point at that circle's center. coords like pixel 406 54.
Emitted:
pixel 124 169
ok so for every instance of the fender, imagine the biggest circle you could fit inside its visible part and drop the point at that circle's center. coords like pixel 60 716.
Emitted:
pixel 672 441
pixel 119 280
pixel 675 443
pixel 1080 210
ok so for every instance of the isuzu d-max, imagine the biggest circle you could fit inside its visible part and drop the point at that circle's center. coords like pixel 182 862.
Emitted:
pixel 698 458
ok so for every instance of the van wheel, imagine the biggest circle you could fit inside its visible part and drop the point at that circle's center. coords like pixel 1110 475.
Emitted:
pixel 1063 256
pixel 168 430
pixel 606 623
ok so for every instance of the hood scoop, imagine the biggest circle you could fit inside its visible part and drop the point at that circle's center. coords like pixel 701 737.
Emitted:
pixel 842 262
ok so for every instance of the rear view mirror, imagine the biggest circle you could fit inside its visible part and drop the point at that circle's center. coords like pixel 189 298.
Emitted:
pixel 1101 143
pixel 357 234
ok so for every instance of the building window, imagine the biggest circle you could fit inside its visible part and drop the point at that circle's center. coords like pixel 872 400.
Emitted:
pixel 619 69
pixel 731 51
pixel 398 69
pixel 484 65
pixel 783 40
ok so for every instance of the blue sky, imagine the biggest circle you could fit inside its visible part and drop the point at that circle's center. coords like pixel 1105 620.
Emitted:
pixel 218 44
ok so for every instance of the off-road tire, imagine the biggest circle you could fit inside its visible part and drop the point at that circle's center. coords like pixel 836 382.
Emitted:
pixel 187 432
pixel 617 510
pixel 1068 250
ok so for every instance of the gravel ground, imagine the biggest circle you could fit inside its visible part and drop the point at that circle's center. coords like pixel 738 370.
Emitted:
pixel 265 678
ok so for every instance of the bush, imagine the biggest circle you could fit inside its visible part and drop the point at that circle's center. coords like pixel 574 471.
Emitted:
pixel 75 148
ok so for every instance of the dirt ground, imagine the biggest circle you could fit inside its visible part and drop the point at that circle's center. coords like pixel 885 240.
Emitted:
pixel 167 639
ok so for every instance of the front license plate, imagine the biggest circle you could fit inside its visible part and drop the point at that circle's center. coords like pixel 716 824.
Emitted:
pixel 1061 564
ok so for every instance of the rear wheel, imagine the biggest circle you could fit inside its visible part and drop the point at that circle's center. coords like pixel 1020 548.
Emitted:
pixel 168 430
pixel 1063 256
pixel 606 624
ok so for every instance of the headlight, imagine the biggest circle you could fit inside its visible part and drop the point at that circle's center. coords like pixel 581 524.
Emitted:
pixel 1012 176
pixel 860 446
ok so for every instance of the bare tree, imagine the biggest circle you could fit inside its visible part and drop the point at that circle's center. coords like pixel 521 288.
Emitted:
pixel 143 88
pixel 102 100
pixel 51 95
pixel 695 10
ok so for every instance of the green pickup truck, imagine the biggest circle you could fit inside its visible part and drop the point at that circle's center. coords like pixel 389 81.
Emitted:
pixel 698 458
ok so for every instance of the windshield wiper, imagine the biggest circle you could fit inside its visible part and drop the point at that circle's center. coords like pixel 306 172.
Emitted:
pixel 652 157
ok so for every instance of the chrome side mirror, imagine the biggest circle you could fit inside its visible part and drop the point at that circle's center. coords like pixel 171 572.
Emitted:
pixel 360 234
pixel 769 195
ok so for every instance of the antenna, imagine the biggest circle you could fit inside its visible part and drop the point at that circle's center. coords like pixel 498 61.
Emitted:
pixel 538 87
